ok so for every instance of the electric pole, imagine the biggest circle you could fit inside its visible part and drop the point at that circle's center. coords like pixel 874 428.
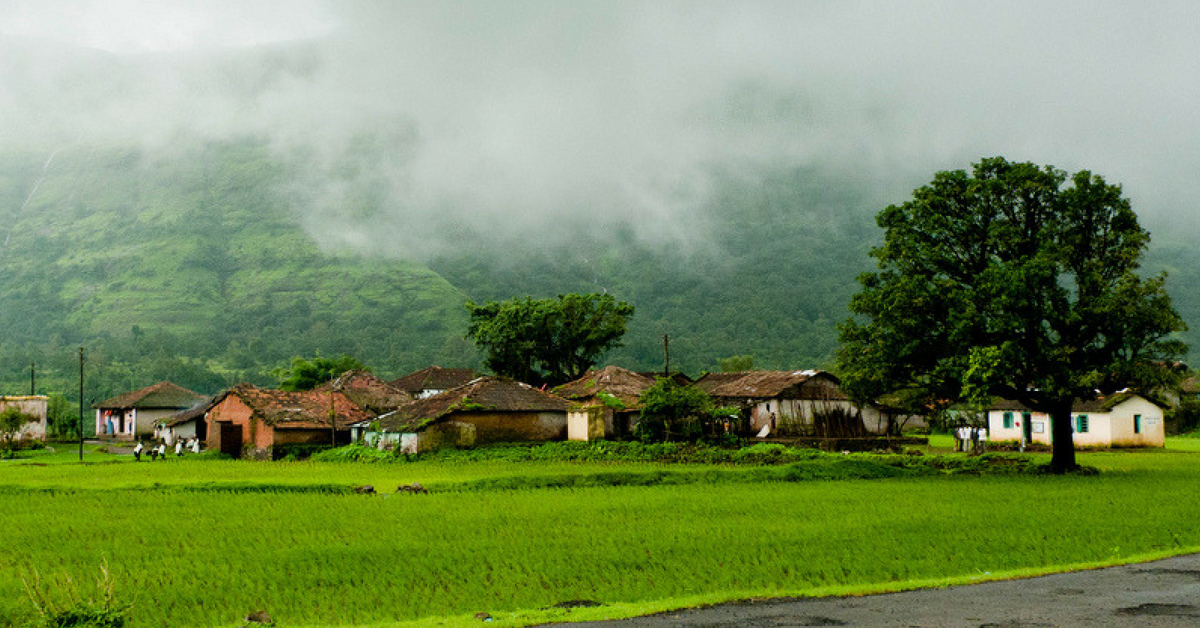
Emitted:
pixel 81 404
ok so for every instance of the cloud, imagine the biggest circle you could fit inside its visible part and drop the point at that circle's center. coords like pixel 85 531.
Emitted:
pixel 545 119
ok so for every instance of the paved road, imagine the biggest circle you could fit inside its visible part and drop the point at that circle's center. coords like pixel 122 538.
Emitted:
pixel 1160 594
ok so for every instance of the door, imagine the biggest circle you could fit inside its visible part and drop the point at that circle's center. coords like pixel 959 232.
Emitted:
pixel 231 439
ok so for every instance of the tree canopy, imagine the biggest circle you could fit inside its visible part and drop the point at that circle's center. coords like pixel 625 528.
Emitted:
pixel 308 374
pixel 547 341
pixel 671 410
pixel 1011 280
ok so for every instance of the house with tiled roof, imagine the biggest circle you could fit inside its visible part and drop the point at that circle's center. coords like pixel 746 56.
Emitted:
pixel 263 423
pixel 606 403
pixel 368 391
pixel 433 380
pixel 134 414
pixel 808 402
pixel 187 424
pixel 1123 419
pixel 484 410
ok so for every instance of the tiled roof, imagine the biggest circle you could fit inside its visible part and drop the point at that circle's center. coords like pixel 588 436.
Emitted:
pixel 298 410
pixel 484 394
pixel 367 390
pixel 614 380
pixel 434 378
pixel 191 413
pixel 160 395
pixel 1104 403
pixel 761 384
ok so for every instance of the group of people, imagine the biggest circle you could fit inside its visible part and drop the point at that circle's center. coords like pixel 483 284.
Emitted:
pixel 160 450
pixel 970 439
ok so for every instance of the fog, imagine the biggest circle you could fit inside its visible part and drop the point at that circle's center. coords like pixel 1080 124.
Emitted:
pixel 536 121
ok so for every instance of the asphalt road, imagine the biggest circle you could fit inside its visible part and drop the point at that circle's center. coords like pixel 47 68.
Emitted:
pixel 1160 594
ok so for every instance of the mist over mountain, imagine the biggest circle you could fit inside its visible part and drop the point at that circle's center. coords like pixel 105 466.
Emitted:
pixel 230 184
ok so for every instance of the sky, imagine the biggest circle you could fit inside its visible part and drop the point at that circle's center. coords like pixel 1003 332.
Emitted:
pixel 531 117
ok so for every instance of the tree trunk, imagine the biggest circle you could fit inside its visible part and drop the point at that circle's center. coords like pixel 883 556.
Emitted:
pixel 1063 439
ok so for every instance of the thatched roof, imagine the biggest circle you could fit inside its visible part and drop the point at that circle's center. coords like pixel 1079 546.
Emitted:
pixel 163 395
pixel 433 378
pixel 483 394
pixel 769 385
pixel 367 390
pixel 297 410
pixel 625 385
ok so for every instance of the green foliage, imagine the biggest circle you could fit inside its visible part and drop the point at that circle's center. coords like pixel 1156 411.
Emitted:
pixel 735 364
pixel 1008 281
pixel 68 608
pixel 62 417
pixel 674 412
pixel 11 422
pixel 1184 418
pixel 547 341
pixel 305 374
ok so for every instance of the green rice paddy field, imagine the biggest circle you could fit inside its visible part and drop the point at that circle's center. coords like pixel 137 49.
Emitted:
pixel 204 542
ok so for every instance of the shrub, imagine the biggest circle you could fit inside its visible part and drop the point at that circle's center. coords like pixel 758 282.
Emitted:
pixel 68 608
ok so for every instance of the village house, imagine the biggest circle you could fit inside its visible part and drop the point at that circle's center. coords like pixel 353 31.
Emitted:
pixel 186 425
pixel 35 406
pixel 484 410
pixel 433 380
pixel 367 391
pixel 263 423
pixel 799 403
pixel 1123 419
pixel 605 403
pixel 135 414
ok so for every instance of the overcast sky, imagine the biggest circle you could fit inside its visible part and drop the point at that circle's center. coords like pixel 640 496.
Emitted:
pixel 516 114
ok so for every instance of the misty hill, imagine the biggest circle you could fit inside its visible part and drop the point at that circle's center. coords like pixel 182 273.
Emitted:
pixel 197 266
pixel 192 269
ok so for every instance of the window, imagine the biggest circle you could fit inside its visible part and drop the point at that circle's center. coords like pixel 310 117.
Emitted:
pixel 1137 424
pixel 1081 424
pixel 1008 420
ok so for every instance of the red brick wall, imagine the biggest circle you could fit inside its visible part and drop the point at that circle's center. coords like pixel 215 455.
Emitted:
pixel 232 410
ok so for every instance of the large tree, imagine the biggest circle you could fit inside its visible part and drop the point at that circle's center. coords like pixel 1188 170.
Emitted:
pixel 1011 280
pixel 547 341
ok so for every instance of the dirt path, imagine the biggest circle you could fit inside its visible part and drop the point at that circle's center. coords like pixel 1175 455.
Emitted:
pixel 1160 594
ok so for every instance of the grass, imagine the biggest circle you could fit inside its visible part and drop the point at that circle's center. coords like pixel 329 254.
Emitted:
pixel 198 543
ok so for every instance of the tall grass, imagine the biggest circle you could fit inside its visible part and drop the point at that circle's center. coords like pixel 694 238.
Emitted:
pixel 200 549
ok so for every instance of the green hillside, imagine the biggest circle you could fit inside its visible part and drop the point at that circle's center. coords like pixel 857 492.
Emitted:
pixel 192 268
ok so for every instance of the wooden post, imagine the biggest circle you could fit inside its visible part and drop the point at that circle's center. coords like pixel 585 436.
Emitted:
pixel 81 404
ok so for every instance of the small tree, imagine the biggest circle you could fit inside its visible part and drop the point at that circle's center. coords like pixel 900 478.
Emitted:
pixel 735 363
pixel 547 341
pixel 308 374
pixel 11 422
pixel 62 419
pixel 673 411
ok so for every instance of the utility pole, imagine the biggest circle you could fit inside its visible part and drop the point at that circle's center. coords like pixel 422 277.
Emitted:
pixel 32 378
pixel 81 404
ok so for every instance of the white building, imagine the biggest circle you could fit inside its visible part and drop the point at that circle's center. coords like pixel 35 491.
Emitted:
pixel 1121 420
pixel 35 406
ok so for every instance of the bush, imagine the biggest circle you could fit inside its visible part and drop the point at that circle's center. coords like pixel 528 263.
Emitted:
pixel 67 608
